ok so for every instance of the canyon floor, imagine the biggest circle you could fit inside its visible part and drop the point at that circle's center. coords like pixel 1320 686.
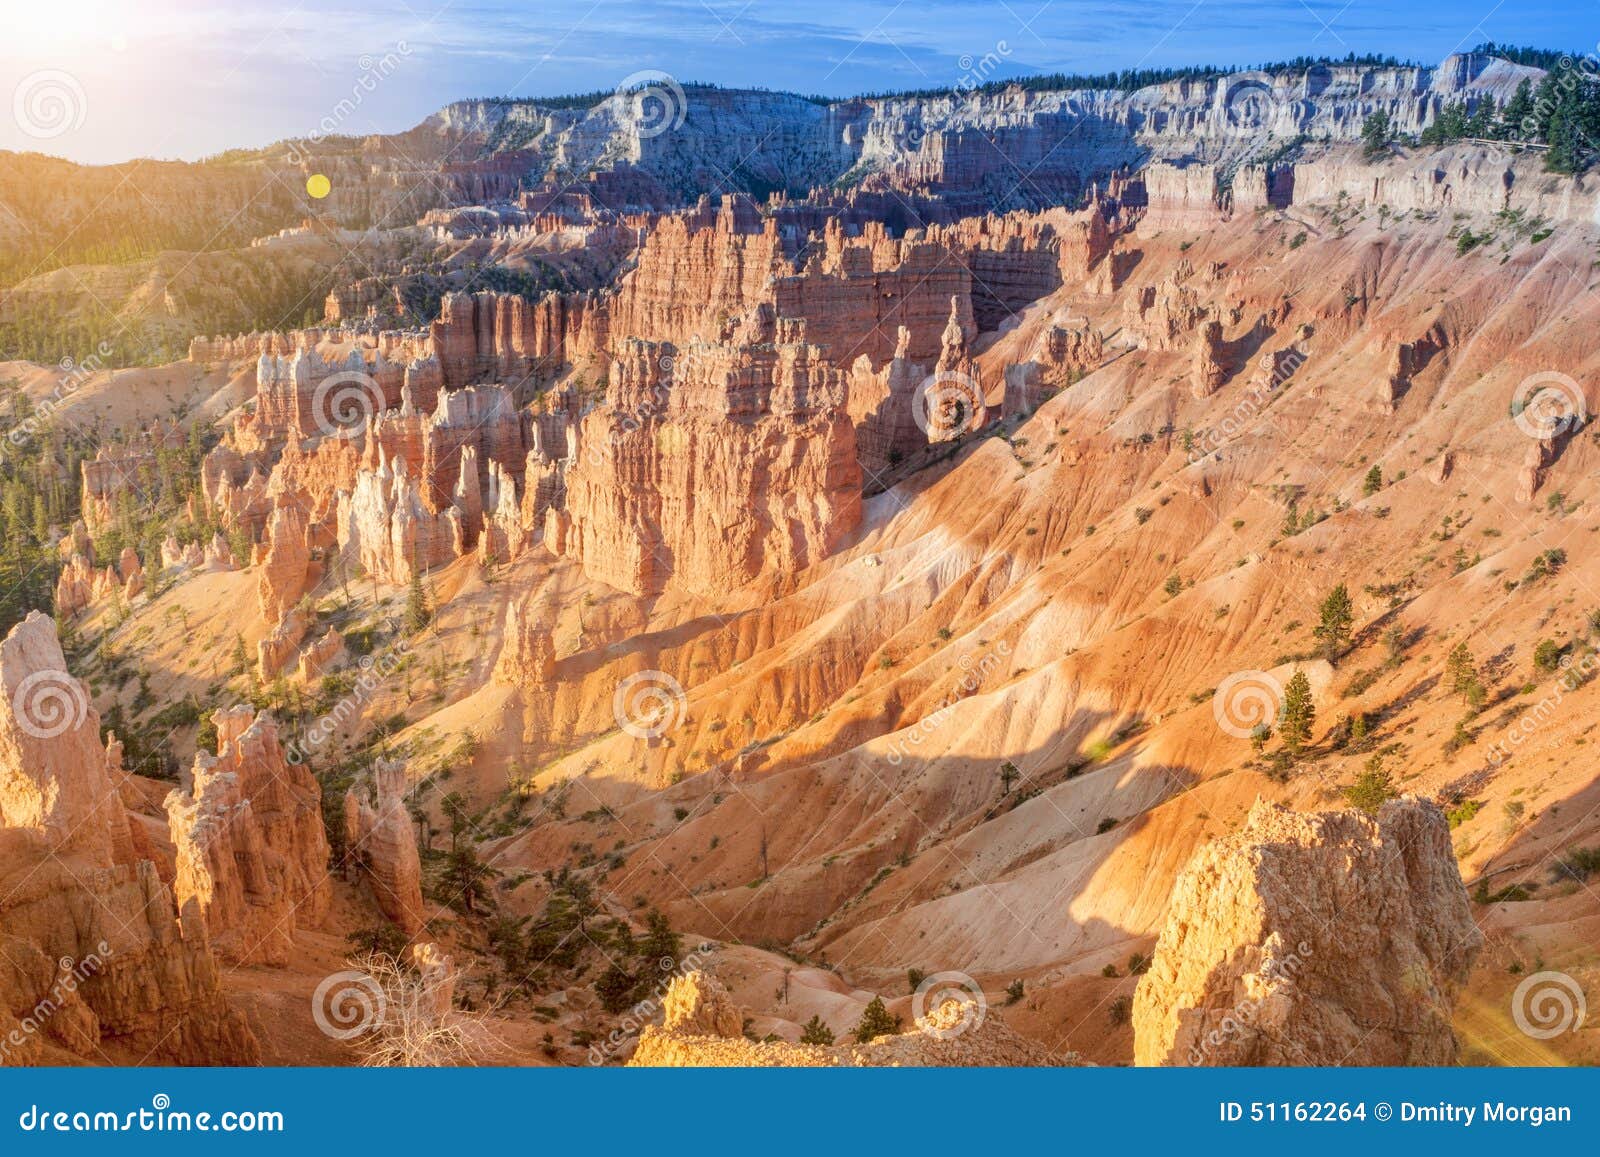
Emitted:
pixel 682 629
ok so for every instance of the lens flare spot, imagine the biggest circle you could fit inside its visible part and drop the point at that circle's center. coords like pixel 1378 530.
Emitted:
pixel 318 185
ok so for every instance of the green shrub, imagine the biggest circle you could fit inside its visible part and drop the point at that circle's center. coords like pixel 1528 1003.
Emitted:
pixel 1547 654
pixel 1372 788
pixel 875 1022
pixel 814 1032
pixel 1579 863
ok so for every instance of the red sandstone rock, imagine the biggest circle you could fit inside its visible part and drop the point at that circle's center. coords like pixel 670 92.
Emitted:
pixel 382 841
pixel 1312 938
pixel 322 656
pixel 1209 372
pixel 252 852
pixel 52 765
pixel 285 570
pixel 752 466
pixel 527 659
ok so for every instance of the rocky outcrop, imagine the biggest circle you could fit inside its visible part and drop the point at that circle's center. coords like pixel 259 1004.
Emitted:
pixel 234 486
pixel 504 533
pixel 1324 938
pixel 1066 351
pixel 251 848
pixel 881 409
pixel 701 1028
pixel 219 555
pixel 1209 371
pixel 1163 316
pixel 381 843
pixel 751 466
pixel 122 474
pixel 279 647
pixel 96 970
pixel 307 396
pixel 1468 177
pixel 52 765
pixel 1182 197
pixel 696 1004
pixel 388 529
pixel 322 656
pixel 74 586
pixel 528 656
pixel 92 964
pixel 501 337
pixel 1541 452
pixel 180 556
pixel 285 572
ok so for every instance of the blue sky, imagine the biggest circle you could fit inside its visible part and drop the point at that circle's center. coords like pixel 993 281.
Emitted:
pixel 104 80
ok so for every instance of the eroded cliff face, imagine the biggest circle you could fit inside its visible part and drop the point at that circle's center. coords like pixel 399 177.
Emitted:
pixel 251 848
pixel 53 778
pixel 380 839
pixel 1312 939
pixel 749 466
pixel 974 144
pixel 95 966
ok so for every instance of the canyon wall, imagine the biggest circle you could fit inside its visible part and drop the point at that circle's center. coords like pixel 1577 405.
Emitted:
pixel 749 466
pixel 999 147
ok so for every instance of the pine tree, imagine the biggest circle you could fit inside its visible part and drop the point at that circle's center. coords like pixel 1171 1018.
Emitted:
pixel 1297 714
pixel 1373 481
pixel 814 1032
pixel 661 943
pixel 1375 134
pixel 615 988
pixel 1337 617
pixel 1461 673
pixel 1372 787
pixel 1516 112
pixel 875 1022
pixel 466 881
pixel 418 613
